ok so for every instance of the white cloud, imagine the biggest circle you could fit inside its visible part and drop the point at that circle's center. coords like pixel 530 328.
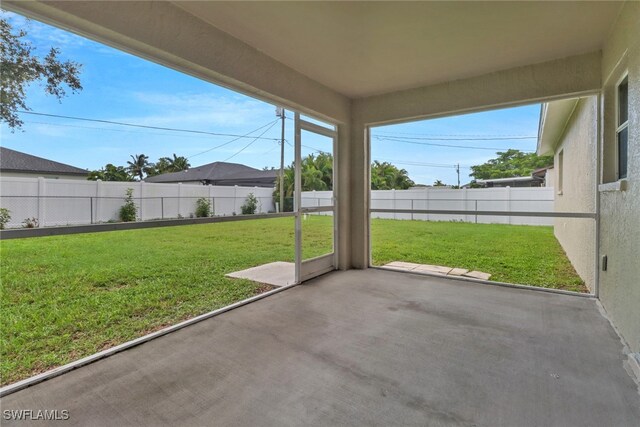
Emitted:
pixel 199 111
pixel 44 36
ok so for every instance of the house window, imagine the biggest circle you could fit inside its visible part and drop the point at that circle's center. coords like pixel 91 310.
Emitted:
pixel 622 131
pixel 560 170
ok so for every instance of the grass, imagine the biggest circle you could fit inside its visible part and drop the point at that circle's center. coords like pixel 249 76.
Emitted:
pixel 528 255
pixel 66 297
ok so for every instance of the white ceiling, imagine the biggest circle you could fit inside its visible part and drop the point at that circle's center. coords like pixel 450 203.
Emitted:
pixel 366 48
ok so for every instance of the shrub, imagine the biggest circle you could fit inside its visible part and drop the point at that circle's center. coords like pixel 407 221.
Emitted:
pixel 129 210
pixel 203 207
pixel 250 205
pixel 30 222
pixel 5 216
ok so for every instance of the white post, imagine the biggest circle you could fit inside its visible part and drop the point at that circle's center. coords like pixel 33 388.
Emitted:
pixel 509 202
pixel 235 199
pixel 465 196
pixel 426 198
pixel 98 201
pixel 141 200
pixel 213 200
pixel 42 193
pixel 179 199
pixel 393 193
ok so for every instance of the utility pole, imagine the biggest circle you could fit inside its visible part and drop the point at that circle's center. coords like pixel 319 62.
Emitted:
pixel 458 171
pixel 280 113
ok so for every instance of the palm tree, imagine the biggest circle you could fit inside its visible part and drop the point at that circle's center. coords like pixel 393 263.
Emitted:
pixel 168 164
pixel 385 176
pixel 139 166
pixel 324 163
pixel 178 163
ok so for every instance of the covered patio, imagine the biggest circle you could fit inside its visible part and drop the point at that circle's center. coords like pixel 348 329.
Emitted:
pixel 365 347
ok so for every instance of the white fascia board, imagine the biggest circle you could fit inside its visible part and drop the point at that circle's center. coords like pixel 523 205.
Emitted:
pixel 554 117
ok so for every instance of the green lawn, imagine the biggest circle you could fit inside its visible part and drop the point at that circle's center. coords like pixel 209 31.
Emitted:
pixel 65 297
pixel 521 254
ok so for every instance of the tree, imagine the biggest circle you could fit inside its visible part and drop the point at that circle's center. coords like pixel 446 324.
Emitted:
pixel 178 163
pixel 510 163
pixel 385 176
pixel 21 67
pixel 168 165
pixel 140 166
pixel 160 167
pixel 439 183
pixel 110 173
pixel 317 174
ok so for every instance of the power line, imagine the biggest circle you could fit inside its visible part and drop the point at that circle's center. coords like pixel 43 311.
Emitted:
pixel 403 162
pixel 381 138
pixel 421 164
pixel 254 140
pixel 138 125
pixel 235 139
pixel 270 150
pixel 114 130
pixel 310 148
pixel 458 137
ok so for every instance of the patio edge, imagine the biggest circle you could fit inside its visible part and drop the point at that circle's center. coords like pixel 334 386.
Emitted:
pixel 490 282
pixel 31 381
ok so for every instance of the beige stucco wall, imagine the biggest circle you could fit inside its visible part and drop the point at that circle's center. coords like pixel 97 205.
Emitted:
pixel 620 210
pixel 550 178
pixel 578 145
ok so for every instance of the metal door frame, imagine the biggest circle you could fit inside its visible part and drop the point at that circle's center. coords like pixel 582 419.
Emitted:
pixel 305 270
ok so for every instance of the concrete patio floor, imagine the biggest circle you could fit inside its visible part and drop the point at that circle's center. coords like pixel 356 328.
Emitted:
pixel 365 347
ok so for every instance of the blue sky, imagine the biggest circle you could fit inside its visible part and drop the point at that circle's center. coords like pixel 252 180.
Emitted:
pixel 121 87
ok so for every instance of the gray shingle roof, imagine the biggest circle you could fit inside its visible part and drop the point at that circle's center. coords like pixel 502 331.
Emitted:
pixel 221 173
pixel 16 161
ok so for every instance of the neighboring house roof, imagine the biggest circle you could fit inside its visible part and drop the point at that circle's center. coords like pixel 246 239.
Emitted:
pixel 221 173
pixel 541 172
pixel 16 161
pixel 554 117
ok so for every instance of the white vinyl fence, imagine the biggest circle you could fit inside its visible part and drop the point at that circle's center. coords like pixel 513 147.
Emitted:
pixel 517 199
pixel 55 202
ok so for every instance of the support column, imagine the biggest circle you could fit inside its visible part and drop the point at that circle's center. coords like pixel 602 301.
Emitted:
pixel 359 188
pixel 343 193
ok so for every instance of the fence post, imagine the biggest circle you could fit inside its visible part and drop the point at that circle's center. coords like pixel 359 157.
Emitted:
pixel 179 199
pixel 98 199
pixel 393 193
pixel 412 209
pixel 90 210
pixel 509 203
pixel 212 200
pixel 162 207
pixel 427 192
pixel 235 198
pixel 141 200
pixel 476 210
pixel 465 197
pixel 42 194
